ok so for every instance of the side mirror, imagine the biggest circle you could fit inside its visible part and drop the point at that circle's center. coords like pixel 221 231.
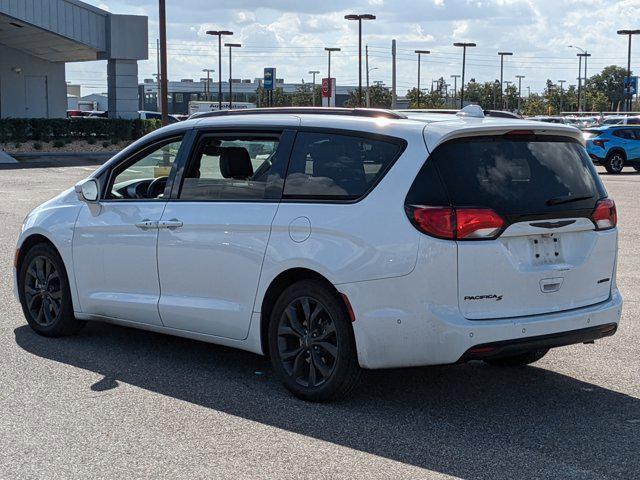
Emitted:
pixel 88 190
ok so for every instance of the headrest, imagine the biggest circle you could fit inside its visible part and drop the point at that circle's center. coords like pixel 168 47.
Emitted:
pixel 235 162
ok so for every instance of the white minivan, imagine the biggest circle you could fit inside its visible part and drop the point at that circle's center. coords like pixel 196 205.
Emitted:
pixel 334 240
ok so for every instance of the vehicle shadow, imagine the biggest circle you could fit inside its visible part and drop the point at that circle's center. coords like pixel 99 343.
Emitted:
pixel 469 421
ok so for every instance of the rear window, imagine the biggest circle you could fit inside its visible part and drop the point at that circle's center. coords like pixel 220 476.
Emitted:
pixel 337 167
pixel 515 176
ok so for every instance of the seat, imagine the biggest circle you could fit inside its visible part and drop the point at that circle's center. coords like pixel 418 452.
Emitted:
pixel 235 162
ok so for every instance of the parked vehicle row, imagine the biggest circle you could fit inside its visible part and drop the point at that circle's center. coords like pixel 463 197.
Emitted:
pixel 334 240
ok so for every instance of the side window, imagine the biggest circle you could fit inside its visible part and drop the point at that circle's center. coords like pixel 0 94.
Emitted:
pixel 145 177
pixel 337 167
pixel 624 133
pixel 229 168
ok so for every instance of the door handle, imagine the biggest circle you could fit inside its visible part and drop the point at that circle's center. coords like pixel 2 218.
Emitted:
pixel 170 224
pixel 146 224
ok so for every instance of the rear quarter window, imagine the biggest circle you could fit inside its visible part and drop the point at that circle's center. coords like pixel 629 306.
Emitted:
pixel 333 166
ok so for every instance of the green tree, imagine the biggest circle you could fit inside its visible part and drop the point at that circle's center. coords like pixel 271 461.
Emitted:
pixel 379 97
pixel 303 96
pixel 280 98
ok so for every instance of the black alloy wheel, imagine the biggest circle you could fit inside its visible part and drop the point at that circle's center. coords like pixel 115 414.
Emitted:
pixel 307 342
pixel 311 342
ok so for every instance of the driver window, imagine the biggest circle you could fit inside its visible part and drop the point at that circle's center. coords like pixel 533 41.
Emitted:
pixel 146 178
pixel 229 168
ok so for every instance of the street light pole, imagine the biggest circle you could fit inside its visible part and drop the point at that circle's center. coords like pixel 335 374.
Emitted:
pixel 519 77
pixel 464 46
pixel 561 82
pixel 164 84
pixel 579 55
pixel 628 102
pixel 502 54
pixel 329 50
pixel 359 18
pixel 207 90
pixel 231 46
pixel 219 34
pixel 313 92
pixel 420 52
pixel 508 82
pixel 455 87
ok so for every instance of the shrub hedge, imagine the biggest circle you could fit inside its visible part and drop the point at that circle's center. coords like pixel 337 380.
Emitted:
pixel 47 129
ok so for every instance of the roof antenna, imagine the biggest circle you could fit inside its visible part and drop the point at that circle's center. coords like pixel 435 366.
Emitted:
pixel 473 111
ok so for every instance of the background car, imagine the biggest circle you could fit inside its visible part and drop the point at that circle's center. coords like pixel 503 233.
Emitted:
pixel 614 147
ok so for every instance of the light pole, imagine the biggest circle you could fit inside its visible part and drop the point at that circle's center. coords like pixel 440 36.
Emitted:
pixel 519 77
pixel 359 18
pixel 164 83
pixel 231 46
pixel 502 54
pixel 464 46
pixel 561 82
pixel 583 53
pixel 207 90
pixel 507 82
pixel 329 50
pixel 455 87
pixel 313 92
pixel 420 52
pixel 369 70
pixel 628 102
pixel 219 34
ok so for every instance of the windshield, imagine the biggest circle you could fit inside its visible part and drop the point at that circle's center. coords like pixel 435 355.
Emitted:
pixel 529 175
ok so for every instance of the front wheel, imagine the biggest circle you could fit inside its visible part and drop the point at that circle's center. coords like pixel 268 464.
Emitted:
pixel 44 293
pixel 518 360
pixel 311 343
pixel 614 162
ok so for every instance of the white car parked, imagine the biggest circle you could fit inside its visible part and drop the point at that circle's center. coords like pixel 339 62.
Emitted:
pixel 334 240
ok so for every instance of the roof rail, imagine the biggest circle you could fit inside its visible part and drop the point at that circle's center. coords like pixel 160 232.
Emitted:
pixel 487 113
pixel 356 112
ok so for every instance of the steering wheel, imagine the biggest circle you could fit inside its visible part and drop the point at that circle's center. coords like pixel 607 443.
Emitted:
pixel 156 187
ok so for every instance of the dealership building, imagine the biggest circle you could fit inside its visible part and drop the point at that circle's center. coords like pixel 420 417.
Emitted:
pixel 38 38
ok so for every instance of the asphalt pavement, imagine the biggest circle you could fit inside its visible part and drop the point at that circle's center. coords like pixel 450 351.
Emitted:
pixel 115 402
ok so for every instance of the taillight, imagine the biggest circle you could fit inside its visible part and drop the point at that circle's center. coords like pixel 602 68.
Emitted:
pixel 456 223
pixel 599 143
pixel 604 216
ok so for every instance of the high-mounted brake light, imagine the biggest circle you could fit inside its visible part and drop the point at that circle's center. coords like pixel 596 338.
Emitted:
pixel 519 132
pixel 605 216
pixel 456 223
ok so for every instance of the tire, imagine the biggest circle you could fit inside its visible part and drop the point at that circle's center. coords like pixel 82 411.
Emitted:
pixel 519 360
pixel 43 287
pixel 614 162
pixel 327 348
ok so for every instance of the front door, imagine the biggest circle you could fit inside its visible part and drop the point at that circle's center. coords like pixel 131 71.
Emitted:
pixel 213 236
pixel 114 245
pixel 36 100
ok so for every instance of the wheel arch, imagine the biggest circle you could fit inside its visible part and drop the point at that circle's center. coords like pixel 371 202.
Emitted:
pixel 620 150
pixel 31 241
pixel 278 285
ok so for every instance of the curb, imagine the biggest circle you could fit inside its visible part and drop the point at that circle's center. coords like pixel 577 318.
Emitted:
pixel 64 154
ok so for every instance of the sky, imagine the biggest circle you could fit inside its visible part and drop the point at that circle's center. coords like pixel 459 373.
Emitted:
pixel 291 35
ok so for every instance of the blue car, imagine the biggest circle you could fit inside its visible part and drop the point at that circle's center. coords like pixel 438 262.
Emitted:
pixel 614 147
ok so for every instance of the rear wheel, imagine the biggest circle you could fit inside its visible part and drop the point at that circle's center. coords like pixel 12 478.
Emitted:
pixel 311 343
pixel 518 360
pixel 44 293
pixel 614 162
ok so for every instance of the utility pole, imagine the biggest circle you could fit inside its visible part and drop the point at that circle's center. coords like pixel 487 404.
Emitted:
pixel 394 98
pixel 163 61
pixel 420 52
pixel 628 99
pixel 455 87
pixel 464 46
pixel 313 92
pixel 561 82
pixel 231 46
pixel 159 90
pixel 359 18
pixel 508 82
pixel 502 54
pixel 219 34
pixel 519 77
pixel 366 66
pixel 329 50
pixel 207 89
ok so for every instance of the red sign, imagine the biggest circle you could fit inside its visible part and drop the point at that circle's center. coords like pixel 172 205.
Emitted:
pixel 326 88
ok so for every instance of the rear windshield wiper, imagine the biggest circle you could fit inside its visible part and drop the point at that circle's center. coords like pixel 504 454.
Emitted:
pixel 567 199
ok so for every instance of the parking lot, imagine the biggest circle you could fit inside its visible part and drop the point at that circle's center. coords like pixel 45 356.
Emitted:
pixel 115 402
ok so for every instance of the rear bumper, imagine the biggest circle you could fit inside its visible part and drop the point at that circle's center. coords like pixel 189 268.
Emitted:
pixel 514 347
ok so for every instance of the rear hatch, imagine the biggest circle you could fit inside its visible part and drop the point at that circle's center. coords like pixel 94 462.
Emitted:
pixel 541 251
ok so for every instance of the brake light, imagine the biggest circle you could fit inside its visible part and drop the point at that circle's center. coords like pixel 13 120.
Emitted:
pixel 456 223
pixel 599 143
pixel 605 216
